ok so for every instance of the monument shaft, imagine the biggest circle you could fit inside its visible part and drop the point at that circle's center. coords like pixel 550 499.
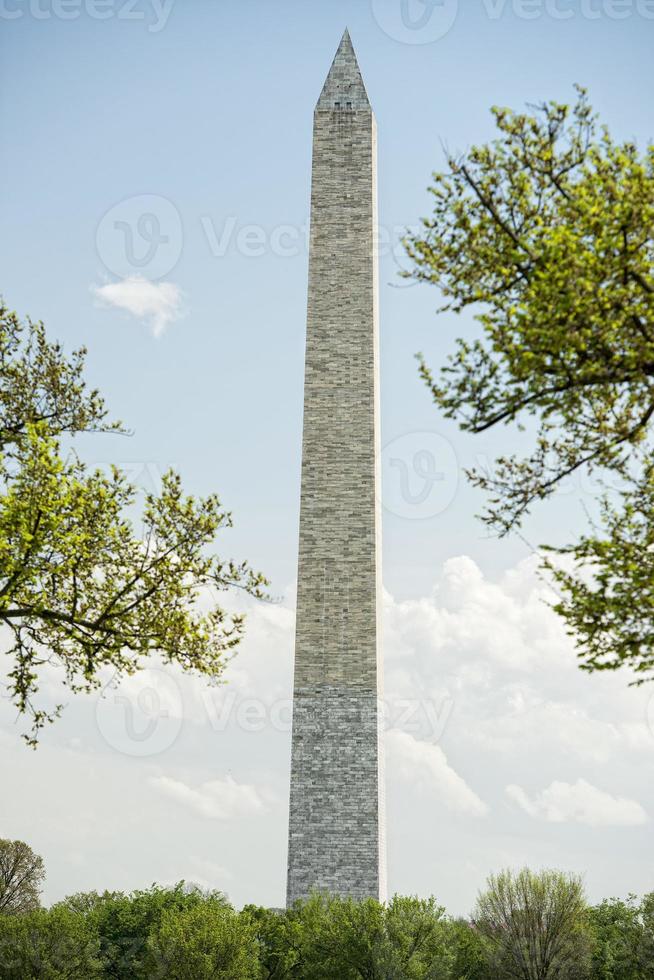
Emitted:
pixel 336 807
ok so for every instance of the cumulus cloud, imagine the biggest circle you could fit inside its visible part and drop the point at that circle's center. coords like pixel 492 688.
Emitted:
pixel 499 652
pixel 156 303
pixel 217 799
pixel 531 722
pixel 579 802
pixel 482 691
pixel 507 624
pixel 426 768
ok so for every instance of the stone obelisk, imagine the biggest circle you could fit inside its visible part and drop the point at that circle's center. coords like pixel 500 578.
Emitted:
pixel 336 826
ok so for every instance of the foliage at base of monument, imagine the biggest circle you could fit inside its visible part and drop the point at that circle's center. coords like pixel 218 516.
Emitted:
pixel 535 924
pixel 326 937
pixel 79 589
pixel 548 232
pixel 183 932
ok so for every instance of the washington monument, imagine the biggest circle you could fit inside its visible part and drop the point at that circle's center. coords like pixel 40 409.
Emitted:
pixel 336 827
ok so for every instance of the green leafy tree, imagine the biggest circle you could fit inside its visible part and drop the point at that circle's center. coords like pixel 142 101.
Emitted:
pixel 536 925
pixel 547 232
pixel 368 941
pixel 623 940
pixel 208 941
pixel 418 939
pixel 647 918
pixel 471 952
pixel 53 944
pixel 124 923
pixel 78 587
pixel 21 876
pixel 279 936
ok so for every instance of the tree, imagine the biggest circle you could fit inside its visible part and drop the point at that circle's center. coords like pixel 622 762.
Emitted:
pixel 21 877
pixel 208 941
pixel 647 918
pixel 279 935
pixel 623 940
pixel 52 944
pixel 124 923
pixel 78 587
pixel 548 232
pixel 418 939
pixel 369 941
pixel 535 924
pixel 471 952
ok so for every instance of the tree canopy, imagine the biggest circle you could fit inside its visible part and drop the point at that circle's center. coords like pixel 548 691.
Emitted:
pixel 624 938
pixel 547 232
pixel 21 877
pixel 79 587
pixel 532 926
pixel 535 924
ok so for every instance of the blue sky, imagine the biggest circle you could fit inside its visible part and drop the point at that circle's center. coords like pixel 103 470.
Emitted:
pixel 204 109
pixel 213 113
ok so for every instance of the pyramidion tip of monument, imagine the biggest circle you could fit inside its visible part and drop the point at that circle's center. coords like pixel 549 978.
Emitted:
pixel 344 88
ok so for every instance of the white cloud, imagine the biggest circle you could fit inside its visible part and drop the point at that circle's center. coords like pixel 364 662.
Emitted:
pixel 507 624
pixel 217 799
pixel 579 802
pixel 527 719
pixel 425 767
pixel 158 303
pixel 503 657
pixel 482 690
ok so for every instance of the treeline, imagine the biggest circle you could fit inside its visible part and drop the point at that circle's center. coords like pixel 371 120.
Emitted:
pixel 528 926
